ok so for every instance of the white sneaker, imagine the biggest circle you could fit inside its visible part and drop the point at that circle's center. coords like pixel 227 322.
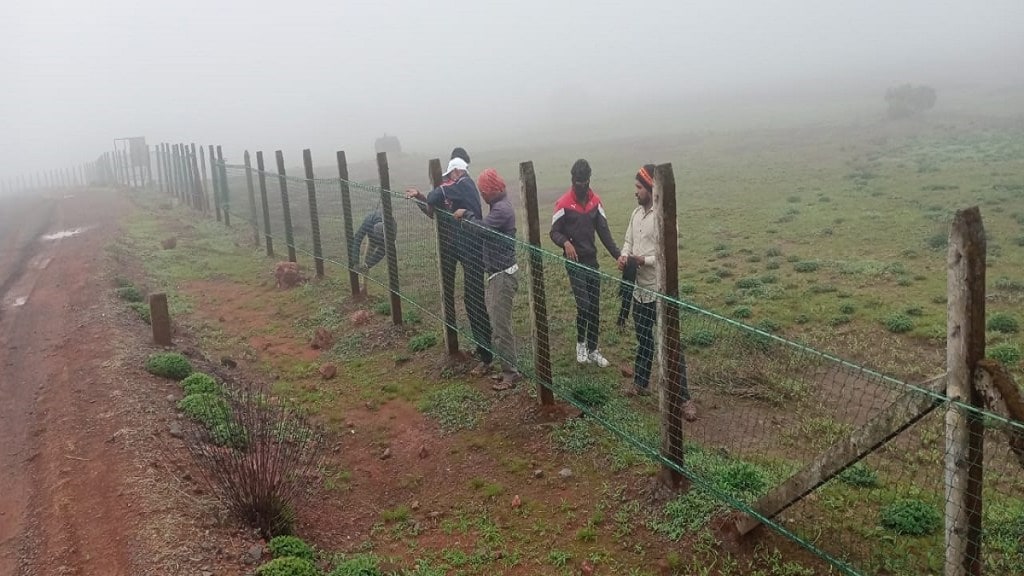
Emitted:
pixel 581 353
pixel 598 359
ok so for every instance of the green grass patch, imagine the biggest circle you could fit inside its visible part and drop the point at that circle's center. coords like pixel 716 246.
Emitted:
pixel 859 475
pixel 283 546
pixel 456 406
pixel 169 365
pixel 1002 322
pixel 129 294
pixel 422 342
pixel 898 323
pixel 911 517
pixel 288 566
pixel 1007 354
pixel 142 309
pixel 200 383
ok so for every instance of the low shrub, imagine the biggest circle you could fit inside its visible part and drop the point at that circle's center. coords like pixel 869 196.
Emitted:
pixel 129 294
pixel 769 325
pixel 847 308
pixel 805 266
pixel 859 475
pixel 773 252
pixel 142 309
pixel 898 323
pixel 357 565
pixel 421 342
pixel 746 283
pixel 839 320
pixel 1002 322
pixel 911 517
pixel 283 546
pixel 210 409
pixel 200 383
pixel 742 312
pixel 1006 354
pixel 802 319
pixel 169 365
pixel 590 394
pixel 288 566
pixel 701 337
pixel 382 308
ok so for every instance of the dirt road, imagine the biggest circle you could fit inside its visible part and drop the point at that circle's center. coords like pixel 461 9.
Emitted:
pixel 58 470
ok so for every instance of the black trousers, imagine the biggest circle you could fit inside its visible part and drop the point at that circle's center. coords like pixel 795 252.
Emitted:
pixel 473 293
pixel 626 291
pixel 645 316
pixel 586 289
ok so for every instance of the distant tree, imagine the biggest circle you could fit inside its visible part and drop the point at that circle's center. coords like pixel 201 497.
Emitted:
pixel 389 144
pixel 907 100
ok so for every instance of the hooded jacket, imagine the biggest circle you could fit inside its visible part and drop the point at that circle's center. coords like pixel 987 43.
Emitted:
pixel 578 223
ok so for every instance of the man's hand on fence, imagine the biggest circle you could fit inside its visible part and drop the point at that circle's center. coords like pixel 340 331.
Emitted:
pixel 414 194
pixel 621 262
pixel 459 214
pixel 570 251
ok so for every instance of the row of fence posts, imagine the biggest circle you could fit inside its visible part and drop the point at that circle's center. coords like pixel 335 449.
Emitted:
pixel 77 175
pixel 966 310
pixel 179 177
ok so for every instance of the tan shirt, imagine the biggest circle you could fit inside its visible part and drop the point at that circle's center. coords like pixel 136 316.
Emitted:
pixel 642 240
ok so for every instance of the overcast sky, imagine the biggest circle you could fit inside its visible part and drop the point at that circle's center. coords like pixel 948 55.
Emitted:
pixel 335 74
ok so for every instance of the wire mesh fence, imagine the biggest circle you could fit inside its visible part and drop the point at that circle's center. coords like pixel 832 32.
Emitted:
pixel 849 463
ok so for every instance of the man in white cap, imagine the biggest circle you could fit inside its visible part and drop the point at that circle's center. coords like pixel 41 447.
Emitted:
pixel 459 192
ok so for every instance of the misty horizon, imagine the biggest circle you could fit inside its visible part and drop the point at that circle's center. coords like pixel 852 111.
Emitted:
pixel 330 77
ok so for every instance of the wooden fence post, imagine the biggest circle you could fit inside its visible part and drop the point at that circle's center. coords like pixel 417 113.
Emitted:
pixel 190 183
pixel 390 229
pixel 158 150
pixel 205 186
pixel 265 204
pixel 538 299
pixel 670 401
pixel 282 181
pixel 253 217
pixel 160 319
pixel 965 433
pixel 346 214
pixel 446 265
pixel 314 215
pixel 224 193
pixel 197 183
pixel 215 182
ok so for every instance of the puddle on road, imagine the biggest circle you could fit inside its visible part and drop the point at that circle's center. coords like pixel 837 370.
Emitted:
pixel 64 234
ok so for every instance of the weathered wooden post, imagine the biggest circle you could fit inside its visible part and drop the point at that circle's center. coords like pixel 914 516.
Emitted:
pixel 253 217
pixel 205 186
pixel 197 183
pixel 390 229
pixel 282 181
pixel 265 204
pixel 670 401
pixel 159 151
pixel 225 194
pixel 445 265
pixel 160 319
pixel 346 214
pixel 215 183
pixel 314 215
pixel 965 433
pixel 538 299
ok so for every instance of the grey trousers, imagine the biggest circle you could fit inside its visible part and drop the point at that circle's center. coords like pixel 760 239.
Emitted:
pixel 501 289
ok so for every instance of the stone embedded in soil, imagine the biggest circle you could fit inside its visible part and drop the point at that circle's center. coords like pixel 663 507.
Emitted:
pixel 170 397
pixel 328 371
pixel 423 453
pixel 322 339
pixel 415 505
pixel 228 362
pixel 516 501
pixel 360 317
pixel 565 473
pixel 287 275
pixel 386 454
pixel 253 555
pixel 538 473
pixel 175 430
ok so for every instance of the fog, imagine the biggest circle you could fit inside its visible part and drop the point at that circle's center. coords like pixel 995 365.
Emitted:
pixel 335 75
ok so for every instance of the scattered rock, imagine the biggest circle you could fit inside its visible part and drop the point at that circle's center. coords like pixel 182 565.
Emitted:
pixel 415 505
pixel 175 430
pixel 170 397
pixel 565 473
pixel 626 370
pixel 423 453
pixel 586 568
pixel 169 243
pixel 538 473
pixel 253 555
pixel 228 362
pixel 386 454
pixel 287 275
pixel 322 339
pixel 516 501
pixel 328 371
pixel 360 317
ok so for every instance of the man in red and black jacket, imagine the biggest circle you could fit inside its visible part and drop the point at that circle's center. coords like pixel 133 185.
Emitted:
pixel 578 216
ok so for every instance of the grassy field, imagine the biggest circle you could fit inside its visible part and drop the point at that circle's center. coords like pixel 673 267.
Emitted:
pixel 833 236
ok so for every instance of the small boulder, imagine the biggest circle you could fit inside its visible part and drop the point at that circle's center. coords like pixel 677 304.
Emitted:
pixel 328 371
pixel 175 430
pixel 169 243
pixel 565 473
pixel 516 501
pixel 253 555
pixel 287 275
pixel 386 454
pixel 423 453
pixel 228 362
pixel 360 317
pixel 322 339
pixel 538 473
